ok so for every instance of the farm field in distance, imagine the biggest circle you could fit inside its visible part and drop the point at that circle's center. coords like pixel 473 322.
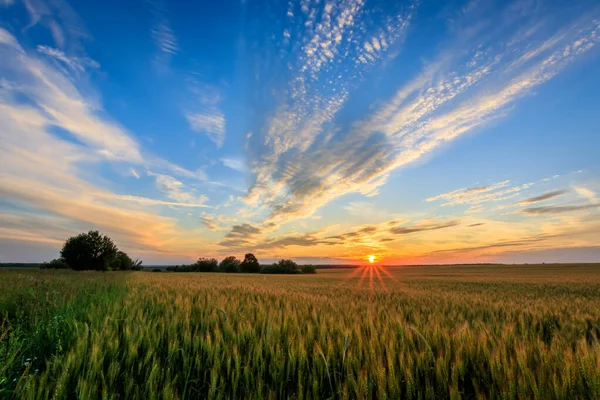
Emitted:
pixel 510 332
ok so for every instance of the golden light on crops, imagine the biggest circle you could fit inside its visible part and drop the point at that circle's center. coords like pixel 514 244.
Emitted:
pixel 371 258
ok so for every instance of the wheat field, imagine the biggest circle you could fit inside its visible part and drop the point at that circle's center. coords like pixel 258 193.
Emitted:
pixel 457 332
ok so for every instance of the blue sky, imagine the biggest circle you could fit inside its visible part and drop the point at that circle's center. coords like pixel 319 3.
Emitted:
pixel 324 131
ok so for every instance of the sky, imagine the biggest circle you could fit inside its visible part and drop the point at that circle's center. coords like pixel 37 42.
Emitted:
pixel 417 132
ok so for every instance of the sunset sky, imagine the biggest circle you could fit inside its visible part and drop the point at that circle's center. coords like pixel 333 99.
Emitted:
pixel 323 131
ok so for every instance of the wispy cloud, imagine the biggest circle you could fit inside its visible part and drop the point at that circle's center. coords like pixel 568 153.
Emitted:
pixel 559 209
pixel 306 160
pixel 161 32
pixel 203 113
pixel 234 163
pixel 176 190
pixel 544 197
pixel 48 172
pixel 78 64
pixel 586 193
pixel 211 122
pixel 240 235
pixel 404 230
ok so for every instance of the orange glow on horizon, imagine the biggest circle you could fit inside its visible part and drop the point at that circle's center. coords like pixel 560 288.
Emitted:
pixel 371 258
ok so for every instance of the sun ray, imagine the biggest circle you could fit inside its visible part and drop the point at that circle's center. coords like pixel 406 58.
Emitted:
pixel 353 274
pixel 383 285
pixel 362 277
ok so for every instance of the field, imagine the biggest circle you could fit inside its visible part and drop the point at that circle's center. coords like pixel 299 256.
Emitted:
pixel 405 332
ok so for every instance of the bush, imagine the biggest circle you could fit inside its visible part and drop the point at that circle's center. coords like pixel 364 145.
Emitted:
pixel 57 263
pixel 230 264
pixel 123 262
pixel 309 269
pixel 281 267
pixel 157 270
pixel 205 265
pixel 89 251
pixel 250 264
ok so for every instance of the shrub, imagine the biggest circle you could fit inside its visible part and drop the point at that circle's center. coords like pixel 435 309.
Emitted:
pixel 309 269
pixel 89 251
pixel 157 270
pixel 204 265
pixel 250 264
pixel 57 263
pixel 230 264
pixel 123 262
pixel 281 267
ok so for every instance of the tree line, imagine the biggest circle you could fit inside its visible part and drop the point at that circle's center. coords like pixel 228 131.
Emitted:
pixel 97 252
pixel 250 265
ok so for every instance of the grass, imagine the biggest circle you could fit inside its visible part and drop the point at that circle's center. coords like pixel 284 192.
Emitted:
pixel 494 332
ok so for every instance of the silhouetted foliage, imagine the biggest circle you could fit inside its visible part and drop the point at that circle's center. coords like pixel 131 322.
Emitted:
pixel 205 265
pixel 309 269
pixel 57 263
pixel 92 251
pixel 281 267
pixel 202 265
pixel 157 270
pixel 230 264
pixel 123 262
pixel 89 251
pixel 250 264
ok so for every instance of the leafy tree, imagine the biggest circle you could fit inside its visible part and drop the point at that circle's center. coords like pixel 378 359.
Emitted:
pixel 202 265
pixel 281 267
pixel 250 264
pixel 309 269
pixel 288 266
pixel 123 262
pixel 89 251
pixel 230 264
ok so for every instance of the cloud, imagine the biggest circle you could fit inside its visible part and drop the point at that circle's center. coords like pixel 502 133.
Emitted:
pixel 51 174
pixel 586 193
pixel 62 104
pixel 161 32
pixel 134 173
pixel 404 230
pixel 373 235
pixel 240 235
pixel 559 209
pixel 544 197
pixel 204 114
pixel 234 163
pixel 176 190
pixel 475 196
pixel 210 123
pixel 301 159
pixel 78 64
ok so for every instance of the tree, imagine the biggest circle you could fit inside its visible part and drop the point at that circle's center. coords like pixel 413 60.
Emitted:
pixel 288 266
pixel 309 269
pixel 89 251
pixel 204 265
pixel 250 264
pixel 123 262
pixel 281 267
pixel 230 264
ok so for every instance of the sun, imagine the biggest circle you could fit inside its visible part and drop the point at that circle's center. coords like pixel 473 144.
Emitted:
pixel 371 259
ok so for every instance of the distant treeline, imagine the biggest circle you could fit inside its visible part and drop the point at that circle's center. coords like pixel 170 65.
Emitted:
pixel 250 264
pixel 20 265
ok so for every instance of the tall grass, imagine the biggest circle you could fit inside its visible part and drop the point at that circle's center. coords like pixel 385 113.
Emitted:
pixel 402 333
